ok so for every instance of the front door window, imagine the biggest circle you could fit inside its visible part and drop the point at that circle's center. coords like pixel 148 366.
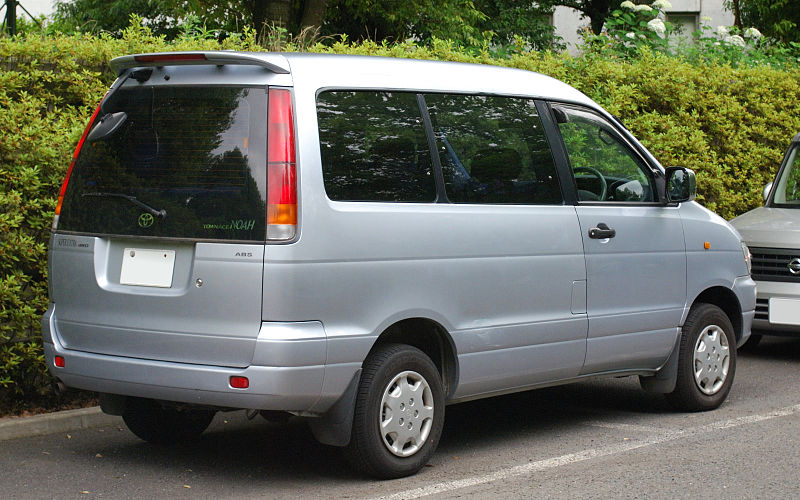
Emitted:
pixel 603 165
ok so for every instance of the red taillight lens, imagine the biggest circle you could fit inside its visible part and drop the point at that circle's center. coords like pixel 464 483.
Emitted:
pixel 155 58
pixel 59 361
pixel 281 167
pixel 239 382
pixel 72 164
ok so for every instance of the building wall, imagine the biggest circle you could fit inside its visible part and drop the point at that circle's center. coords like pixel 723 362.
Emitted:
pixel 688 13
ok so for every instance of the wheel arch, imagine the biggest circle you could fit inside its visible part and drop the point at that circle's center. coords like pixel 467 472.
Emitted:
pixel 430 337
pixel 725 299
pixel 335 426
pixel 665 379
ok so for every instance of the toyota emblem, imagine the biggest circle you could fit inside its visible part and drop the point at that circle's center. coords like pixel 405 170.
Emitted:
pixel 146 220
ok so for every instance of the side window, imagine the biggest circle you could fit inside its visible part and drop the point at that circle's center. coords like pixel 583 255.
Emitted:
pixel 493 150
pixel 788 190
pixel 374 147
pixel 603 165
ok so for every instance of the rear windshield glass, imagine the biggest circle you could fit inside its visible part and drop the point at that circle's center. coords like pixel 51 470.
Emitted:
pixel 184 162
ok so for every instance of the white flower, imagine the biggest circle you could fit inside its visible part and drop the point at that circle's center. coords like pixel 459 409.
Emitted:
pixel 642 8
pixel 752 33
pixel 642 36
pixel 734 40
pixel 723 31
pixel 661 4
pixel 630 35
pixel 627 4
pixel 658 26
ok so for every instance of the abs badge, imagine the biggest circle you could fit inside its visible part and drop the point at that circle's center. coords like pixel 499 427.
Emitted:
pixel 146 220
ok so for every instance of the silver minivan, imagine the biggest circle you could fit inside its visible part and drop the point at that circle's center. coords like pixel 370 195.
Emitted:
pixel 361 241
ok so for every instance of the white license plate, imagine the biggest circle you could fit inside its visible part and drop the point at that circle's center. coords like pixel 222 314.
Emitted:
pixel 784 311
pixel 147 267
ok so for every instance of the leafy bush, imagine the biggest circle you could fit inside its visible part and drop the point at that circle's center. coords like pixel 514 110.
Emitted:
pixel 731 125
pixel 630 28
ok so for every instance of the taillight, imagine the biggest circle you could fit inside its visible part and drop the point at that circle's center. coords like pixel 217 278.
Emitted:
pixel 72 165
pixel 239 382
pixel 281 167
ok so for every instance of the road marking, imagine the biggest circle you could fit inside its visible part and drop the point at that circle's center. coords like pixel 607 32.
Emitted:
pixel 581 456
pixel 624 427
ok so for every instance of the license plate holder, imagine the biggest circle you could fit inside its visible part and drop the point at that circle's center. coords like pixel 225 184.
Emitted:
pixel 147 267
pixel 784 311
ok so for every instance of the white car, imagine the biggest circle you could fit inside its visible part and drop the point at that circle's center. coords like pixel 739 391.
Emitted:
pixel 773 234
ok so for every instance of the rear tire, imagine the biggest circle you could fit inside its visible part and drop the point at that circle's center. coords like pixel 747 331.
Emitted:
pixel 707 360
pixel 399 413
pixel 154 423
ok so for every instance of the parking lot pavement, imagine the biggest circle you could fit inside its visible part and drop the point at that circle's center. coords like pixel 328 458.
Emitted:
pixel 595 439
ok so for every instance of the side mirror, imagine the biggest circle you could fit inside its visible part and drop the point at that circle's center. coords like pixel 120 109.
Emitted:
pixel 681 185
pixel 767 189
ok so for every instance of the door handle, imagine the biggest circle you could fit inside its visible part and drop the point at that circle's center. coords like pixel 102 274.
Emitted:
pixel 602 231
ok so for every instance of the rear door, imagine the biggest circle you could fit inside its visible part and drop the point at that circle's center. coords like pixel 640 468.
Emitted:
pixel 634 247
pixel 522 282
pixel 160 241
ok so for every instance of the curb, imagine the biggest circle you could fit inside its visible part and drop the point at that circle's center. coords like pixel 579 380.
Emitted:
pixel 52 423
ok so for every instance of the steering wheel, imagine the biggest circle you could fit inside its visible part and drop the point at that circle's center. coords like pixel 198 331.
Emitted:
pixel 596 173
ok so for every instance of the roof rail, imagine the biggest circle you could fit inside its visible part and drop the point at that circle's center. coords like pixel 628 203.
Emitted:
pixel 275 63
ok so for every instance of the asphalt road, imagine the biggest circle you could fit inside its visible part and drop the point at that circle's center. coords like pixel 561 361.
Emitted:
pixel 599 439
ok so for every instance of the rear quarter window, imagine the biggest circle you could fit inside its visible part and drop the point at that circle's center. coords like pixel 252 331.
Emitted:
pixel 373 147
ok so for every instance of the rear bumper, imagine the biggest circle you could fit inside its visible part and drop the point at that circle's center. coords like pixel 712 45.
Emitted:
pixel 287 373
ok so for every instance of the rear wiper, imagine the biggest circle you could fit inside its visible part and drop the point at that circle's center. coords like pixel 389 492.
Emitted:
pixel 157 213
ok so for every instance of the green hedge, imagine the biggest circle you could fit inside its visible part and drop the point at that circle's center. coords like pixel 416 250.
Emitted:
pixel 730 125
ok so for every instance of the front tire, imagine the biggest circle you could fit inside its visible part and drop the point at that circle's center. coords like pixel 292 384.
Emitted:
pixel 707 360
pixel 399 413
pixel 154 423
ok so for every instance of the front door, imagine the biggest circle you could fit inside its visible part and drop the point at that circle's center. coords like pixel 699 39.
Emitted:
pixel 634 247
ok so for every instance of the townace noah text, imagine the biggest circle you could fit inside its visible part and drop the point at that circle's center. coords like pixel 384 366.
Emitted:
pixel 361 241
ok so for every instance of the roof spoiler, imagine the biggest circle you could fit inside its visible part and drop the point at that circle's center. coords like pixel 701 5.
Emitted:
pixel 275 63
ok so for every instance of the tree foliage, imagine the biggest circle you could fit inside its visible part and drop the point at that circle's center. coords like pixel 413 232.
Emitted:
pixel 512 20
pixel 396 20
pixel 596 10
pixel 466 22
pixel 114 16
pixel 778 19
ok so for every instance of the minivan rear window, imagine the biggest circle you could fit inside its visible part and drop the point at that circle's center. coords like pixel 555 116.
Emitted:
pixel 185 162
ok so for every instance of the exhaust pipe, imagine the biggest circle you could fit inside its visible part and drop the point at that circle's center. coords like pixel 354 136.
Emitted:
pixel 59 387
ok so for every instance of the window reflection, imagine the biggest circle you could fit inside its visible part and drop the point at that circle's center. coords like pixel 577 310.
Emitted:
pixel 492 150
pixel 374 148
